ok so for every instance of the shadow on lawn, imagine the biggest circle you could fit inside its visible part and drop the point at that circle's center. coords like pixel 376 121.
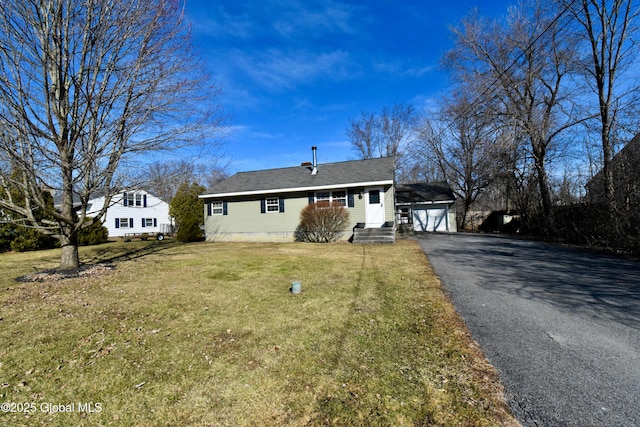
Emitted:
pixel 101 261
pixel 110 255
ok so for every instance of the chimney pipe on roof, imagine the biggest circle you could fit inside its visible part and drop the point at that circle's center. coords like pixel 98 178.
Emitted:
pixel 315 161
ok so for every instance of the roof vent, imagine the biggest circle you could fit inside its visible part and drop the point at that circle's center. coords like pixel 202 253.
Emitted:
pixel 315 161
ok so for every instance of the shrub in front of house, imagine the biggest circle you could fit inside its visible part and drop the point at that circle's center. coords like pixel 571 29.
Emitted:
pixel 322 223
pixel 189 230
pixel 188 211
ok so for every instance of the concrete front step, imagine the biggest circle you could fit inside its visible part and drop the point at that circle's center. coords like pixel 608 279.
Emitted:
pixel 374 235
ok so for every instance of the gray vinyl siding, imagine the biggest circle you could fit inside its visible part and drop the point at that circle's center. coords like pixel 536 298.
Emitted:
pixel 244 220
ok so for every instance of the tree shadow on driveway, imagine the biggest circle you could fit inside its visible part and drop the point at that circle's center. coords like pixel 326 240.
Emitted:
pixel 578 281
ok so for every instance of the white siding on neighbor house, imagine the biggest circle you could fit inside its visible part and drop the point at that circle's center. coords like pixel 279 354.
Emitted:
pixel 147 214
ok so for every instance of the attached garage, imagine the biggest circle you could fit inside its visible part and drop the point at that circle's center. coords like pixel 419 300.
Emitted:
pixel 430 219
pixel 426 207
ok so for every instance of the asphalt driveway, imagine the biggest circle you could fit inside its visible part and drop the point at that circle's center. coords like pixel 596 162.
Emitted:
pixel 561 326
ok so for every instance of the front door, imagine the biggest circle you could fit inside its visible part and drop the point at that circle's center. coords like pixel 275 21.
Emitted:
pixel 374 210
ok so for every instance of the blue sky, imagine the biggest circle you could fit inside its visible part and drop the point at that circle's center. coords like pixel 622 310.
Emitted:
pixel 295 72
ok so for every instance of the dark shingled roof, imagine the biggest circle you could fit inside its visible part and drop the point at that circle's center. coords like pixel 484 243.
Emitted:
pixel 424 192
pixel 328 175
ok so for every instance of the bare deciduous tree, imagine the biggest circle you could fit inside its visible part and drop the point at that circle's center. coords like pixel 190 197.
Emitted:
pixel 461 142
pixel 608 27
pixel 525 60
pixel 84 86
pixel 383 135
pixel 362 134
pixel 163 178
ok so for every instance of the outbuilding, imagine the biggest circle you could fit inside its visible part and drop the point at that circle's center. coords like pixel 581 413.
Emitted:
pixel 426 207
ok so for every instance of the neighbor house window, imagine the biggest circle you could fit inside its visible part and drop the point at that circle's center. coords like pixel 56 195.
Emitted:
pixel 273 204
pixel 134 199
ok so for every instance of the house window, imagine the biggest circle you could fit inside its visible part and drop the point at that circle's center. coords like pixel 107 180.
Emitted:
pixel 124 223
pixel 339 198
pixel 273 204
pixel 217 208
pixel 147 222
pixel 332 197
pixel 128 199
pixel 374 197
pixel 138 199
pixel 323 196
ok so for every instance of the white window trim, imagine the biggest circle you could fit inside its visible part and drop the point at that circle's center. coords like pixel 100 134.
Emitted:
pixel 331 198
pixel 272 204
pixel 217 208
pixel 123 221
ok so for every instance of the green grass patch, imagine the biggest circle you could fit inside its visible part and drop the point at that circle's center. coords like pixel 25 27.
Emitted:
pixel 208 334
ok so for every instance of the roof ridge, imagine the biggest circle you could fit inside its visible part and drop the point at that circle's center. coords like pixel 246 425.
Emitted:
pixel 319 164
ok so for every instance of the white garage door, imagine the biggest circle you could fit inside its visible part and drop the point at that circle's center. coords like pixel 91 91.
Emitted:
pixel 430 219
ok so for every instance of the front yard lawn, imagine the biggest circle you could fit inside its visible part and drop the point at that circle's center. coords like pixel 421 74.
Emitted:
pixel 209 334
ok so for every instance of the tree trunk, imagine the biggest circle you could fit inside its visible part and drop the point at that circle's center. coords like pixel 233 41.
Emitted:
pixel 68 237
pixel 69 258
pixel 609 184
pixel 545 195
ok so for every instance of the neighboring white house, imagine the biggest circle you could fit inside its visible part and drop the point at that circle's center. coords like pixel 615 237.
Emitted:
pixel 134 211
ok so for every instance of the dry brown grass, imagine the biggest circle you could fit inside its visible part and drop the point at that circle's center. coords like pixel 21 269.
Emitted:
pixel 208 334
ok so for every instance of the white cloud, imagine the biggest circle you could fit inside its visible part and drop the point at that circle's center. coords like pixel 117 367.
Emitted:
pixel 220 23
pixel 289 19
pixel 279 45
pixel 300 18
pixel 403 68
pixel 277 70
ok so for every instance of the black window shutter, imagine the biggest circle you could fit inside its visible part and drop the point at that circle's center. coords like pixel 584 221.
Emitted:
pixel 117 222
pixel 124 200
pixel 263 205
pixel 130 222
pixel 281 204
pixel 312 197
pixel 144 200
pixel 350 199
pixel 155 222
pixel 209 209
pixel 224 209
pixel 143 223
